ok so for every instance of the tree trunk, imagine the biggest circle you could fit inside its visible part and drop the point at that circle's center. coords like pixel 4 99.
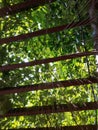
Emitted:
pixel 93 12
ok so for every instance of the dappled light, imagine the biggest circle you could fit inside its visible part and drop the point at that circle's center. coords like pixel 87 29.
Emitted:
pixel 49 64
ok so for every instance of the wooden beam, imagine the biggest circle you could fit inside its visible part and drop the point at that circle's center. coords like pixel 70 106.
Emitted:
pixel 48 60
pixel 36 110
pixel 9 10
pixel 49 85
pixel 79 127
pixel 45 31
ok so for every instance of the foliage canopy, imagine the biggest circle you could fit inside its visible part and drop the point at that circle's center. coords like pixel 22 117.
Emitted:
pixel 69 41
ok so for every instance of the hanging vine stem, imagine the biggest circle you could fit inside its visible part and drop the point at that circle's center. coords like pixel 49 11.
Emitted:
pixel 88 67
pixel 83 40
pixel 67 102
pixel 45 37
pixel 88 72
pixel 55 101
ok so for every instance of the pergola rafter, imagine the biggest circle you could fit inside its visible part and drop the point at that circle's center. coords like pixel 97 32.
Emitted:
pixel 45 31
pixel 79 127
pixel 36 110
pixel 49 85
pixel 9 10
pixel 46 61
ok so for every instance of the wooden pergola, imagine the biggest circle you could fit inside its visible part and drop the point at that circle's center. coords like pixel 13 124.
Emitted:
pixel 9 10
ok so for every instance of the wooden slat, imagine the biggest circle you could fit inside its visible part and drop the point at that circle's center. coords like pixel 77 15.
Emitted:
pixel 45 61
pixel 96 5
pixel 45 31
pixel 9 10
pixel 36 110
pixel 79 127
pixel 50 85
